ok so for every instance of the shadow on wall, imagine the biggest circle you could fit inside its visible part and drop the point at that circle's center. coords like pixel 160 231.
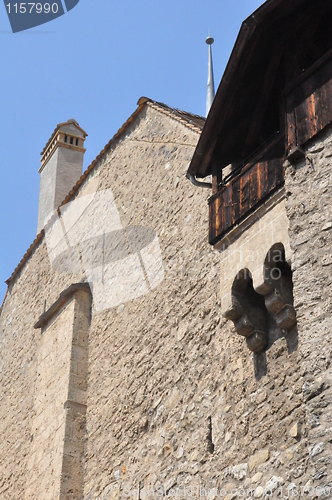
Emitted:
pixel 87 238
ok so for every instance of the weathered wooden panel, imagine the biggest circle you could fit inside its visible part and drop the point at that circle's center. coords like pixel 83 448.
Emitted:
pixel 291 123
pixel 280 173
pixel 309 105
pixel 212 224
pixel 302 116
pixel 218 214
pixel 253 173
pixel 236 200
pixel 227 206
pixel 262 181
pixel 323 100
pixel 325 104
pixel 245 192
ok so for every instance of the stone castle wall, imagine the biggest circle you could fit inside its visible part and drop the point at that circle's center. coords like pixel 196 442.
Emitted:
pixel 174 398
pixel 179 401
pixel 146 164
pixel 201 410
pixel 309 192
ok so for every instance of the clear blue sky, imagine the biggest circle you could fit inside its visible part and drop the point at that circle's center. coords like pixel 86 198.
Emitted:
pixel 93 64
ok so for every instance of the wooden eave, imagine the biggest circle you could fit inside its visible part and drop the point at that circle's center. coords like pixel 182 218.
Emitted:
pixel 263 38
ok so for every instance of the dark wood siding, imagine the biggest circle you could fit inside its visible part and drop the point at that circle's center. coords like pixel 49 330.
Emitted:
pixel 309 104
pixel 245 192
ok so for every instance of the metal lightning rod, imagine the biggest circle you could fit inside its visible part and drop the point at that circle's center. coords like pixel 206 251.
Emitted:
pixel 210 81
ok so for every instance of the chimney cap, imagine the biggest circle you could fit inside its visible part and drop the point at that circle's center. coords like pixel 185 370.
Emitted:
pixel 59 125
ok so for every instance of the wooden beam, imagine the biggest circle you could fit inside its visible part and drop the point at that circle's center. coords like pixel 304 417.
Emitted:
pixel 216 176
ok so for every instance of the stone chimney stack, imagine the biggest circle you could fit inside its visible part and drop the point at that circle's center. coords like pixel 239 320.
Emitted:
pixel 61 167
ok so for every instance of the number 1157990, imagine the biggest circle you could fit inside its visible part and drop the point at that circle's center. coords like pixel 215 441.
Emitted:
pixel 29 8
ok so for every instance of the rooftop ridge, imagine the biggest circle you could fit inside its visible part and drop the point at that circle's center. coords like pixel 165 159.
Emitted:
pixel 193 121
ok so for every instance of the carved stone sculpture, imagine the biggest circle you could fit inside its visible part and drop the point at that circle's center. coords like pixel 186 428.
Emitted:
pixel 279 287
pixel 248 312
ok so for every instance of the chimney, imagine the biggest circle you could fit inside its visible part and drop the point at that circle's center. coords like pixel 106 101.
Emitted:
pixel 61 167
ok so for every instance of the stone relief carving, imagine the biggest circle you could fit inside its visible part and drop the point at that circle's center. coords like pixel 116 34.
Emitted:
pixel 279 287
pixel 250 311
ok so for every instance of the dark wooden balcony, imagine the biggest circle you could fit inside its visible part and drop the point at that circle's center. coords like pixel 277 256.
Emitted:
pixel 249 188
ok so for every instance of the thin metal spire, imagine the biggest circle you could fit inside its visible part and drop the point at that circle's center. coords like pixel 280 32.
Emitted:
pixel 210 81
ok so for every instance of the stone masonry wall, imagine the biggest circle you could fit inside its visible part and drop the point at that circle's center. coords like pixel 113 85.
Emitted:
pixel 35 288
pixel 174 397
pixel 48 416
pixel 309 192
pixel 153 136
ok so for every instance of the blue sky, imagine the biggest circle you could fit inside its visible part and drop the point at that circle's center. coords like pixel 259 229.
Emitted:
pixel 93 64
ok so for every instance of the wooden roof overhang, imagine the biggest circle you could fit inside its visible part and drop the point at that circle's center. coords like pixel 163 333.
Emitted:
pixel 275 44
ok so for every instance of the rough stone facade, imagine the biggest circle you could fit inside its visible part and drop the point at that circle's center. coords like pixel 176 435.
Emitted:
pixel 175 401
pixel 309 193
pixel 145 168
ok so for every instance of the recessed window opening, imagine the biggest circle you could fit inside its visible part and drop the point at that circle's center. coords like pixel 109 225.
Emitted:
pixel 66 138
pixel 76 142
pixel 71 140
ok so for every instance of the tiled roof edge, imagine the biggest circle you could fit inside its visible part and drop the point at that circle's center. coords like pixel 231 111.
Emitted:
pixel 176 115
